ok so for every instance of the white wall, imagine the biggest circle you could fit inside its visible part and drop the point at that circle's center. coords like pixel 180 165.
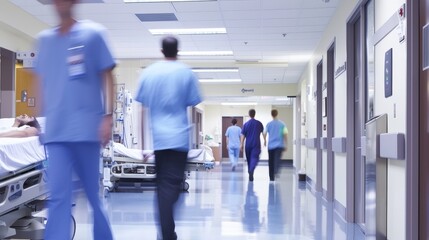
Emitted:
pixel 396 169
pixel 14 41
pixel 335 32
pixel 304 123
pixel 296 136
pixel 13 22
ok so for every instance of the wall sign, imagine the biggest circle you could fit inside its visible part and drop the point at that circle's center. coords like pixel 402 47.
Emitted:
pixel 388 73
pixel 244 90
pixel 325 86
pixel 340 70
pixel 31 102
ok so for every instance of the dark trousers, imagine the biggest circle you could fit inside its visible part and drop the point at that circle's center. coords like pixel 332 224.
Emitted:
pixel 170 168
pixel 274 156
pixel 252 156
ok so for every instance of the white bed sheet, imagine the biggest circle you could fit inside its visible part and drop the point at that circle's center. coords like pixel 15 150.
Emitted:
pixel 194 155
pixel 16 153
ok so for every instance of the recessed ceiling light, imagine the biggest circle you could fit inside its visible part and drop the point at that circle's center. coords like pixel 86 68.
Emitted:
pixel 187 31
pixel 205 53
pixel 214 70
pixel 282 99
pixel 154 1
pixel 218 80
pixel 239 103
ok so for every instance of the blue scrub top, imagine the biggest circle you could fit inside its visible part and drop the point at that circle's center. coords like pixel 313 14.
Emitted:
pixel 70 68
pixel 252 130
pixel 276 130
pixel 167 88
pixel 233 133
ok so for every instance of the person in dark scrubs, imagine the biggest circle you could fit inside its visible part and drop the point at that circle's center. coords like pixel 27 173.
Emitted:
pixel 251 132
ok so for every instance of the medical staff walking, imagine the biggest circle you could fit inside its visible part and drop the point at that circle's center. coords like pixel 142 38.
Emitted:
pixel 277 143
pixel 232 135
pixel 251 132
pixel 75 67
pixel 167 88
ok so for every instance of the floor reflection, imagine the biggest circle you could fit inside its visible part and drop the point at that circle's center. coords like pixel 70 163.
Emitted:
pixel 251 221
pixel 223 205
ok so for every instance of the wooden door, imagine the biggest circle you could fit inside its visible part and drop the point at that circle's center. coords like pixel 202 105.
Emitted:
pixel 27 94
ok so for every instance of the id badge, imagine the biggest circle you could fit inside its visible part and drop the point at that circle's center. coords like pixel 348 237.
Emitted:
pixel 76 62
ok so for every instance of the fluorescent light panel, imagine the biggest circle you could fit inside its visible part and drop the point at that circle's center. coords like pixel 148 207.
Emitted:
pixel 214 70
pixel 282 99
pixel 205 53
pixel 154 1
pixel 214 80
pixel 238 103
pixel 187 31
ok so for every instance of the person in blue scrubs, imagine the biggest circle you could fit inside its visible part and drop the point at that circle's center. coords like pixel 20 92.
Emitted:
pixel 167 88
pixel 233 134
pixel 277 142
pixel 251 132
pixel 74 66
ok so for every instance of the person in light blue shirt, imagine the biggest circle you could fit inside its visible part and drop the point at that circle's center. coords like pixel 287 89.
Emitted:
pixel 277 143
pixel 167 88
pixel 232 135
pixel 75 67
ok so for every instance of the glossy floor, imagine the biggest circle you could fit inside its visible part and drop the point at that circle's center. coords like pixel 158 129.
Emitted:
pixel 222 204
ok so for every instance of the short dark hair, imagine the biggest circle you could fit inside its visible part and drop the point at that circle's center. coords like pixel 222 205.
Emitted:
pixel 274 113
pixel 170 46
pixel 234 121
pixel 252 113
pixel 33 123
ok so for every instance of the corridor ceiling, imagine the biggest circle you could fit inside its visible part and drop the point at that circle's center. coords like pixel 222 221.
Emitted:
pixel 271 40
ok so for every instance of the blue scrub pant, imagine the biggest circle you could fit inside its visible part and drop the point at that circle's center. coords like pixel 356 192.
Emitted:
pixel 274 156
pixel 170 168
pixel 63 158
pixel 233 155
pixel 252 156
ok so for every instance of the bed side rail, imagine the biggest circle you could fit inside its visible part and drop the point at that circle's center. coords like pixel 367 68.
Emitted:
pixel 22 189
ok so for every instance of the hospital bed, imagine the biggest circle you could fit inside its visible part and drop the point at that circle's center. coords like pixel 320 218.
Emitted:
pixel 22 186
pixel 127 165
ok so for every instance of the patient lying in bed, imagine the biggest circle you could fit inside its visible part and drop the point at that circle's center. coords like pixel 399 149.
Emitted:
pixel 23 126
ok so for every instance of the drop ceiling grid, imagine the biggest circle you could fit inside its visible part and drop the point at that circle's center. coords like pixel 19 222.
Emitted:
pixel 261 23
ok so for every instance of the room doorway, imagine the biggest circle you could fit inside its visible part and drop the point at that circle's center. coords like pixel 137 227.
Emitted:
pixel 197 120
pixel 329 194
pixel 360 92
pixel 226 122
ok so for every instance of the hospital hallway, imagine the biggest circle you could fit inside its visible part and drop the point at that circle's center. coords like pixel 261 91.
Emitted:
pixel 222 204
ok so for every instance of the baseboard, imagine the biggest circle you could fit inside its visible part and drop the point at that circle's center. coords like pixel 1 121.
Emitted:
pixel 340 209
pixel 311 184
pixel 325 194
